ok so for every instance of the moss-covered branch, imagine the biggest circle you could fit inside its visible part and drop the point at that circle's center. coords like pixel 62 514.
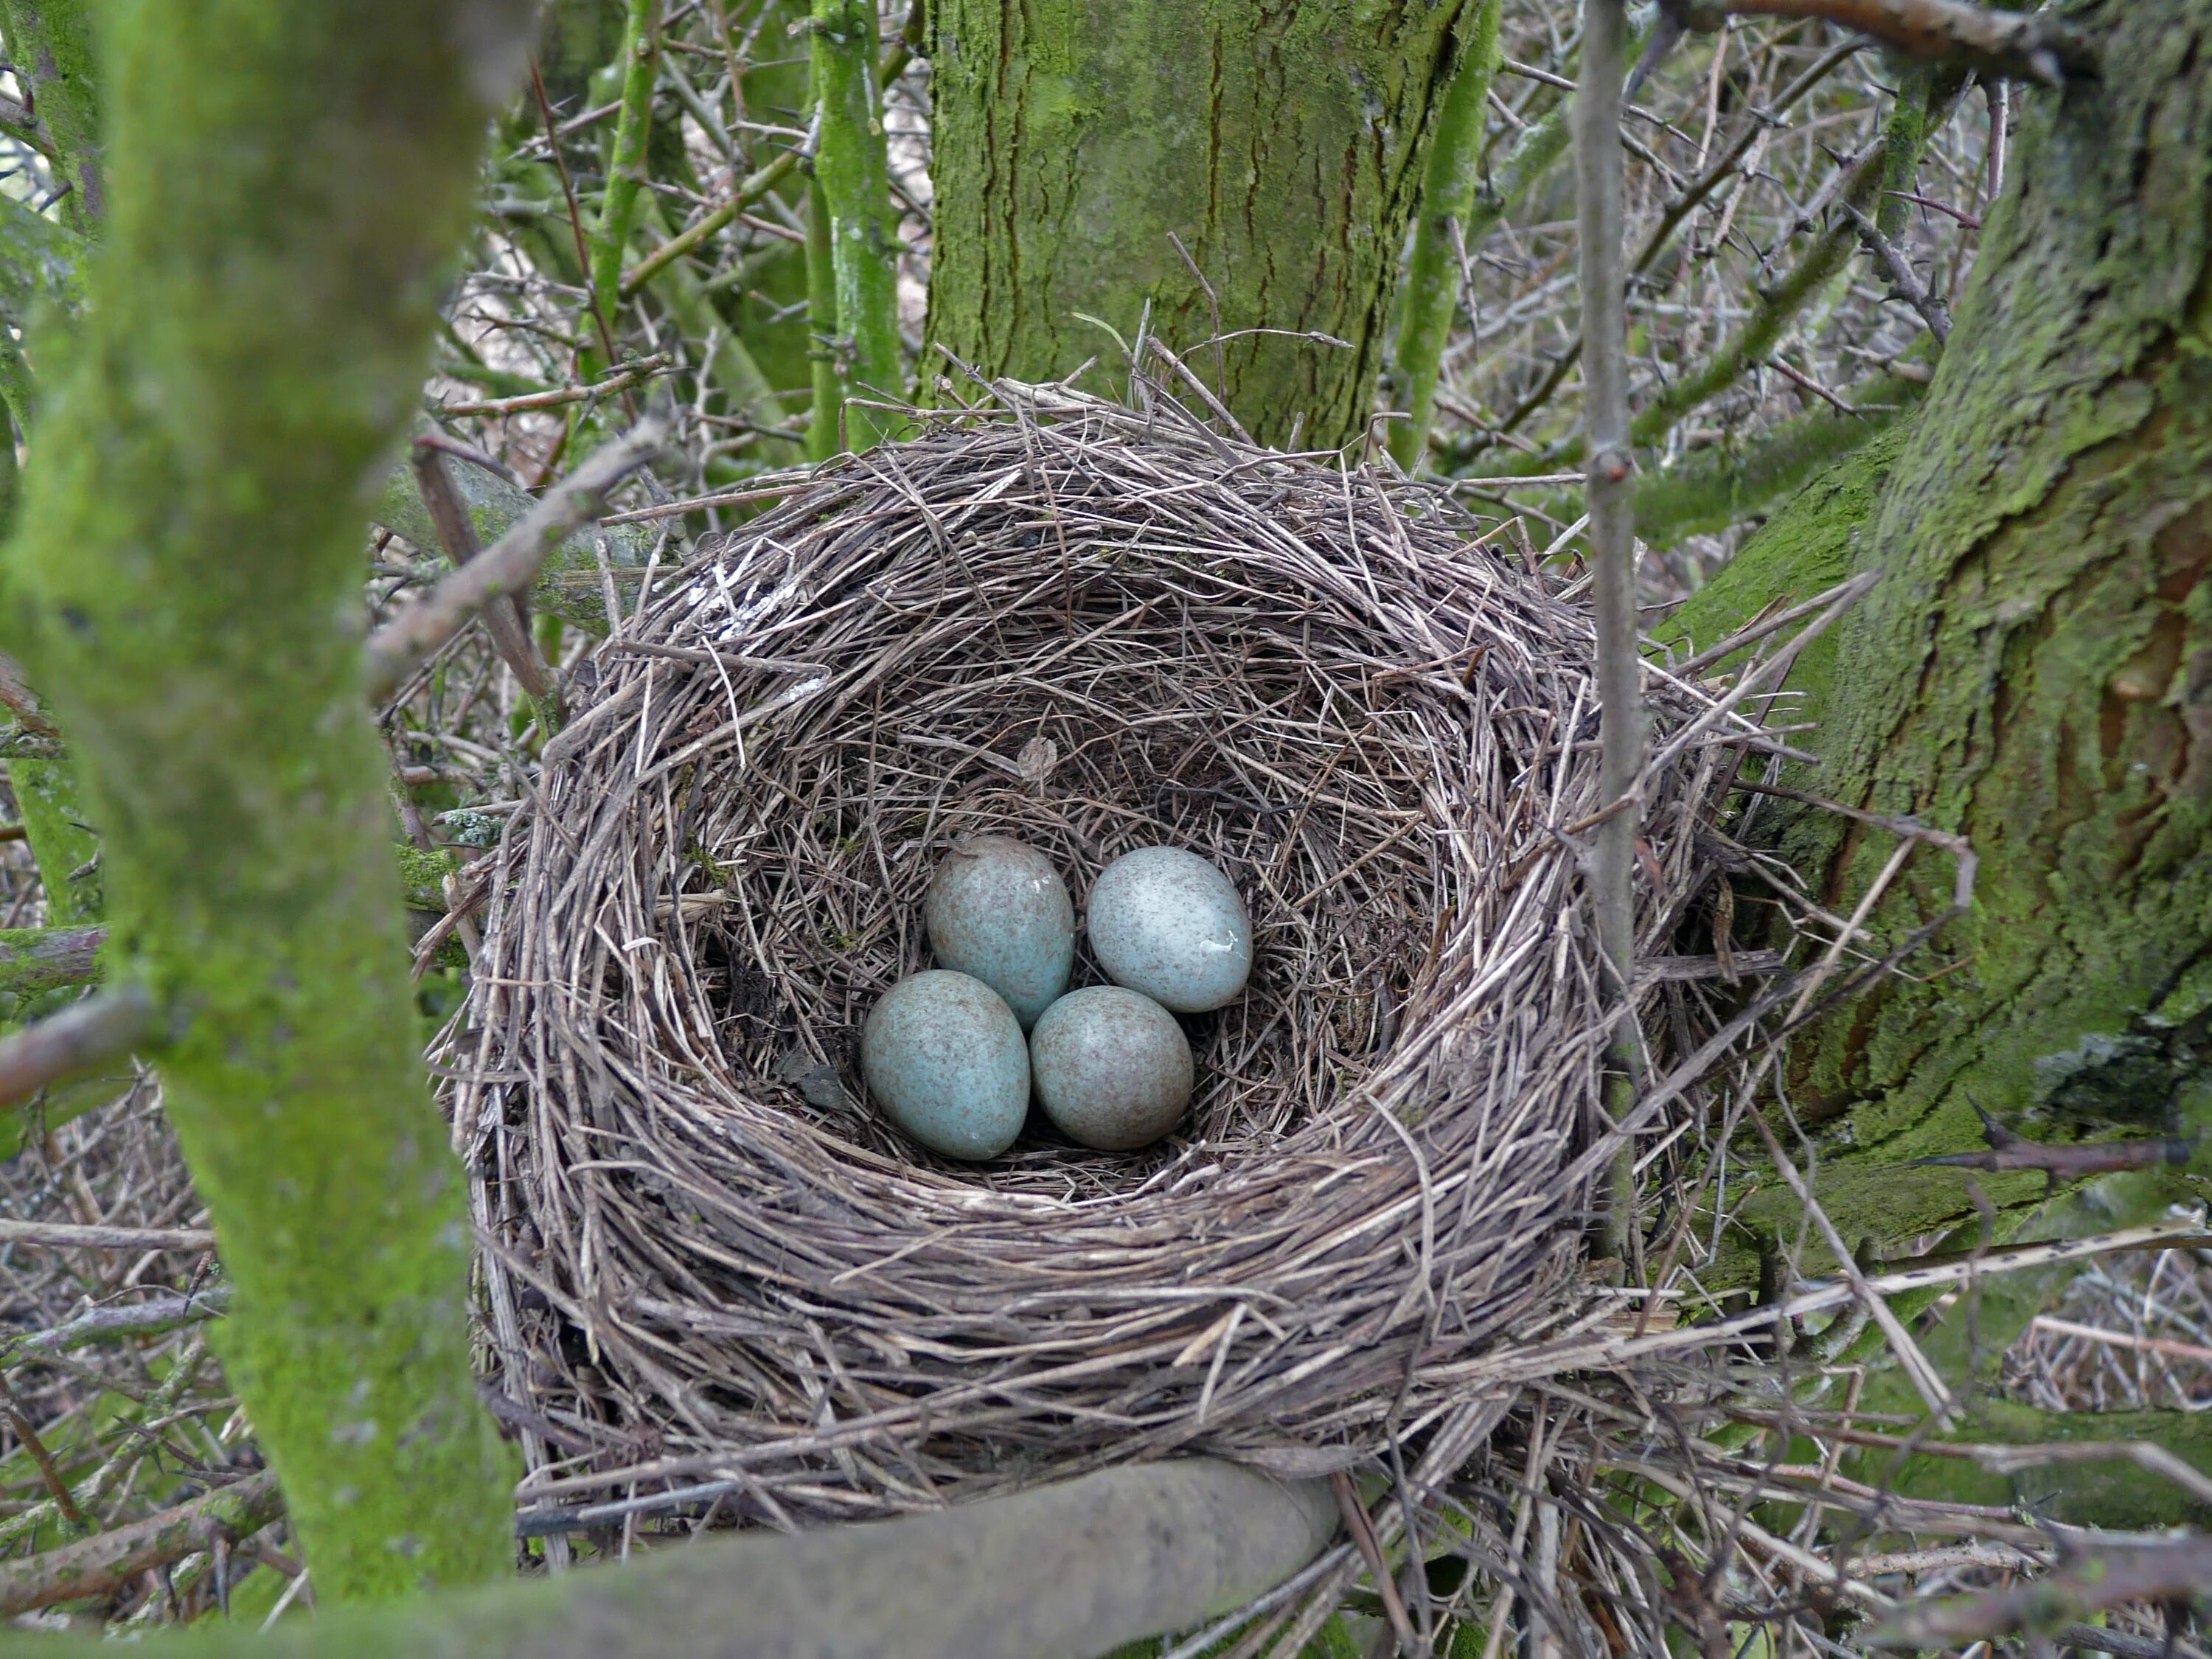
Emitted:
pixel 1070 1569
pixel 285 186
pixel 1449 183
pixel 50 45
pixel 852 175
pixel 105 1563
pixel 611 233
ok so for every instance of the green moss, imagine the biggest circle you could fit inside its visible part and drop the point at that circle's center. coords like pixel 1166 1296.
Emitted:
pixel 1280 145
pixel 2035 671
pixel 1711 490
pixel 286 186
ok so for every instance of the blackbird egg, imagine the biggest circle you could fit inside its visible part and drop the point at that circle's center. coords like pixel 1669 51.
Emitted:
pixel 944 1056
pixel 1168 924
pixel 1112 1069
pixel 999 911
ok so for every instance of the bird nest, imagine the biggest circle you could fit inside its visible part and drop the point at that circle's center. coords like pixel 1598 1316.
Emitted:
pixel 717 1275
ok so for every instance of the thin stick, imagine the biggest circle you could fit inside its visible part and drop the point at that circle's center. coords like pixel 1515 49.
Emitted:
pixel 68 1236
pixel 103 1028
pixel 1609 491
pixel 510 565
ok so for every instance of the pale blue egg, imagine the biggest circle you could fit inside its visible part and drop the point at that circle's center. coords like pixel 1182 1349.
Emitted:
pixel 1111 1068
pixel 944 1056
pixel 999 911
pixel 1165 922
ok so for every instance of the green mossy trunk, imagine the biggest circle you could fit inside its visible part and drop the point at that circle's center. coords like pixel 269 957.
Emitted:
pixel 285 186
pixel 2035 668
pixel 1281 144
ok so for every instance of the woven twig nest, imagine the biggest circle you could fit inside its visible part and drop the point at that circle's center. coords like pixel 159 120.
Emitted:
pixel 712 1260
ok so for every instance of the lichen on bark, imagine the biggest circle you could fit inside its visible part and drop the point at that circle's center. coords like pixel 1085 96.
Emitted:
pixel 1281 145
pixel 285 186
pixel 2035 670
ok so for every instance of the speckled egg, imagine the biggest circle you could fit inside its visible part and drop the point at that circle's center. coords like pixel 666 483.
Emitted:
pixel 1111 1069
pixel 1168 924
pixel 999 911
pixel 944 1057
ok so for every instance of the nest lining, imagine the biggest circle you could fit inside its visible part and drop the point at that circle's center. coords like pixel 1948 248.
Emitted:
pixel 711 1260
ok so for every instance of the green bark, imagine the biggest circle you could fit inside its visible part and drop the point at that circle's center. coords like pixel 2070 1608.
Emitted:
pixel 1450 185
pixel 1282 145
pixel 2035 669
pixel 626 162
pixel 50 46
pixel 824 435
pixel 1715 487
pixel 285 186
pixel 36 959
pixel 852 178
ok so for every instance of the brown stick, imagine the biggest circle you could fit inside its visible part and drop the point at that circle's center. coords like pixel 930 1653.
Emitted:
pixel 510 565
pixel 104 1563
pixel 1991 43
pixel 2010 1151
pixel 67 1236
pixel 457 533
pixel 102 1028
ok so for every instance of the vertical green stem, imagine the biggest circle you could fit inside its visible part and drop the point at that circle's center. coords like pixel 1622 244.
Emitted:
pixel 1598 173
pixel 823 437
pixel 1450 185
pixel 852 175
pixel 625 164
pixel 286 187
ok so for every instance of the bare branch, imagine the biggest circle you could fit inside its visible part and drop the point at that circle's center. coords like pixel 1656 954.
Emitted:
pixel 2107 1575
pixel 1610 491
pixel 510 564
pixel 1991 42
pixel 503 616
pixel 104 1563
pixel 1910 289
pixel 102 1028
pixel 69 1235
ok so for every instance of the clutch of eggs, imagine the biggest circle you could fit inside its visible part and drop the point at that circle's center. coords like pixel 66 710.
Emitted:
pixel 1108 1065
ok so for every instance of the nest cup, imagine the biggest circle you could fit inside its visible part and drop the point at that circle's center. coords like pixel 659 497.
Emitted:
pixel 714 1268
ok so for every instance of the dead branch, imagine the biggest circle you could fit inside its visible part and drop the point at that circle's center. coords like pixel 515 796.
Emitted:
pixel 104 1027
pixel 105 1563
pixel 1991 42
pixel 510 564
pixel 2009 1152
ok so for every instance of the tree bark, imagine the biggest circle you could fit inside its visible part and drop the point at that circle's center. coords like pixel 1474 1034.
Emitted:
pixel 2035 669
pixel 1076 142
pixel 285 186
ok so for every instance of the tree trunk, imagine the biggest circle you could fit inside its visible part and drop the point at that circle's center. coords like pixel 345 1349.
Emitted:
pixel 286 186
pixel 1077 141
pixel 2035 668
